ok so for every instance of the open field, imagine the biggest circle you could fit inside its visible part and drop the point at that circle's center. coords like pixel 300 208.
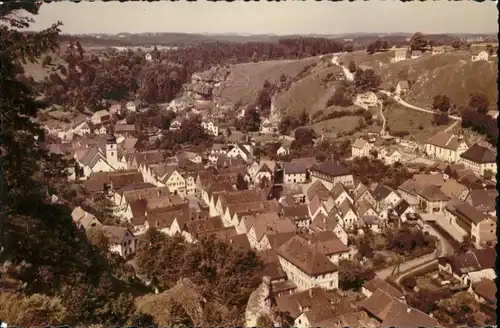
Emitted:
pixel 332 127
pixel 38 72
pixel 400 118
pixel 245 80
pixel 364 60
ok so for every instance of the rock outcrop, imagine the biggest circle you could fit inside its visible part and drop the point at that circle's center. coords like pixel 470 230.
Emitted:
pixel 259 303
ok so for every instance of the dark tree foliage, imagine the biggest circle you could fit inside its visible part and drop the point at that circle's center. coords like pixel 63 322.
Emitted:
pixel 366 80
pixel 224 273
pixel 479 102
pixel 441 103
pixel 352 66
pixel 373 170
pixel 480 123
pixel 418 41
pixel 251 121
pixel 440 119
pixel 352 275
pixel 54 258
pixel 303 137
pixel 241 183
pixel 377 46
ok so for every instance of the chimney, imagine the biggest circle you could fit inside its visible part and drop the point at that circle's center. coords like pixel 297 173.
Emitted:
pixel 309 242
pixel 311 293
pixel 408 310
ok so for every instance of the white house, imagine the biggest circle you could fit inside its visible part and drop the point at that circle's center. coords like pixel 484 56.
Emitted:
pixel 470 267
pixel 479 159
pixel 149 57
pixel 294 173
pixel 122 241
pixel 283 151
pixel 348 214
pixel 241 150
pixel 83 219
pixel 446 147
pixel 393 156
pixel 305 266
pixel 130 106
pixel 210 128
pixel 416 54
pixel 361 148
pixel 331 173
pixel 400 55
pixel 368 98
pixel 402 87
pixel 482 55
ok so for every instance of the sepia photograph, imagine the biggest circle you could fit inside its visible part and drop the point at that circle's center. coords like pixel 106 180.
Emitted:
pixel 248 164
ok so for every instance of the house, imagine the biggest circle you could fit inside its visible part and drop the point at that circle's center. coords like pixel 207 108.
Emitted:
pixel 361 148
pixel 331 173
pixel 148 57
pixel 400 55
pixel 241 150
pixel 479 159
pixel 484 292
pixel 283 151
pixel 122 241
pixel 362 193
pixel 479 55
pixel 402 87
pixel 307 308
pixel 371 286
pixel 266 126
pixel 431 199
pixel 368 98
pixel 339 193
pixel 299 214
pixel 125 130
pixel 100 129
pixel 131 106
pixel 446 147
pixel 385 197
pixel 470 267
pixel 176 123
pixel 416 54
pixel 306 266
pixel 100 117
pixel 103 158
pixel 393 312
pixel 84 220
pixel 403 209
pixel 210 128
pixel 392 157
pixel 438 50
pixel 454 189
pixel 294 173
pixel 480 227
pixel 483 200
pixel 329 222
pixel 347 213
pixel 269 231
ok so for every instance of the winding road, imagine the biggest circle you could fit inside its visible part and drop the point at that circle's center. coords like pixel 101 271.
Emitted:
pixel 350 77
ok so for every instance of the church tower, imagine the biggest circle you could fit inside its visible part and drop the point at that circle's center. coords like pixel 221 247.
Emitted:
pixel 111 150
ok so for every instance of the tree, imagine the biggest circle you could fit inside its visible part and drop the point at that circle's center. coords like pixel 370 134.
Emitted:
pixel 352 66
pixel 265 321
pixel 441 103
pixel 460 309
pixel 97 238
pixel 349 48
pixel 418 42
pixel 131 117
pixel 352 275
pixel 440 119
pixel 479 102
pixel 241 183
pixel 304 137
pixel 466 245
pixel 228 132
pixel 457 44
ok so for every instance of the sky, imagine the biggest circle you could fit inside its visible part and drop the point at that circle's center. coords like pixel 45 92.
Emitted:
pixel 291 17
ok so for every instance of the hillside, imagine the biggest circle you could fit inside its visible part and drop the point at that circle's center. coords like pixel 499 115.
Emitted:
pixel 245 80
pixel 452 74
